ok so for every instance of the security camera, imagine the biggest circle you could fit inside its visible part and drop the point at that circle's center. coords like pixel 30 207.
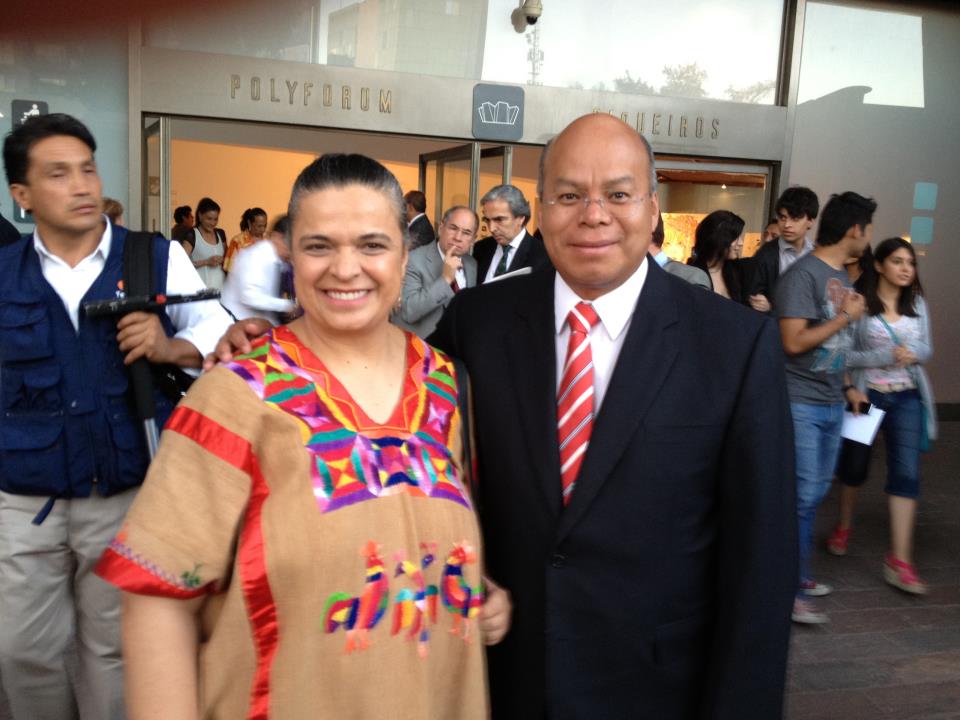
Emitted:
pixel 527 14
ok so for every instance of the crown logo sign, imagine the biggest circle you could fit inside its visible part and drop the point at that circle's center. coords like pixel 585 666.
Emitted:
pixel 500 114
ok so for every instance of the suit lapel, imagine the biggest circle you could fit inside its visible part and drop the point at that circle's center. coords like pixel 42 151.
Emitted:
pixel 520 259
pixel 533 369
pixel 647 355
pixel 470 270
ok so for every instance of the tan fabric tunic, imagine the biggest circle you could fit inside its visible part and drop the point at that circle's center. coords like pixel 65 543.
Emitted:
pixel 339 557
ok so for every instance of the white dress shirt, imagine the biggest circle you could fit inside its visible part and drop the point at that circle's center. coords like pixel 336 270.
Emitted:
pixel 414 218
pixel 789 254
pixel 498 253
pixel 615 309
pixel 460 275
pixel 252 289
pixel 201 323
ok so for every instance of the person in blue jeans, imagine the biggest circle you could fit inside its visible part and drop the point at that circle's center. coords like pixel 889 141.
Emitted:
pixel 890 346
pixel 817 307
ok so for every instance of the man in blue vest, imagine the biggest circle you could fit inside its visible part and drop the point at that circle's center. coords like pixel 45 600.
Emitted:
pixel 71 451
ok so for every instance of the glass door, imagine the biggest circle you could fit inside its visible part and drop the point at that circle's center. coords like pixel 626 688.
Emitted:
pixel 690 189
pixel 460 175
pixel 157 215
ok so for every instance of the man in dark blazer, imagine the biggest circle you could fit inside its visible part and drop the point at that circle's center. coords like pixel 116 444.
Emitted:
pixel 8 233
pixel 661 585
pixel 421 231
pixel 796 209
pixel 509 247
pixel 438 271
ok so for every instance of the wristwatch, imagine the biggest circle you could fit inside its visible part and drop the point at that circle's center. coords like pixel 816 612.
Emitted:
pixel 848 387
pixel 845 314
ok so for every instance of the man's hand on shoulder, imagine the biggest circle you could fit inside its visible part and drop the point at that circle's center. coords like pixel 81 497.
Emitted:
pixel 236 340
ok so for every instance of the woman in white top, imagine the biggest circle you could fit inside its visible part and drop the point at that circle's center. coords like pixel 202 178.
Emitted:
pixel 891 344
pixel 209 244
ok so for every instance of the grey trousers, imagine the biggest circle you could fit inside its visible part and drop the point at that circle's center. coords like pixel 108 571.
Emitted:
pixel 50 600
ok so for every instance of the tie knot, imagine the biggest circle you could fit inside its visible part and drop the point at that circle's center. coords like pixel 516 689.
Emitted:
pixel 582 318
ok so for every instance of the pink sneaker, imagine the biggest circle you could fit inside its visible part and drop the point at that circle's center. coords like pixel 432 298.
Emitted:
pixel 838 542
pixel 902 575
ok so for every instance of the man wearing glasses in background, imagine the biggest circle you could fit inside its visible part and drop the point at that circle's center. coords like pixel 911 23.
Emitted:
pixel 438 271
pixel 509 247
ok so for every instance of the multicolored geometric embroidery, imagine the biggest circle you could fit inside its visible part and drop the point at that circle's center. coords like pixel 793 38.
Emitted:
pixel 353 460
pixel 414 610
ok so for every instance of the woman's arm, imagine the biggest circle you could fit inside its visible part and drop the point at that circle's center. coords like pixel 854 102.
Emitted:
pixel 924 347
pixel 160 657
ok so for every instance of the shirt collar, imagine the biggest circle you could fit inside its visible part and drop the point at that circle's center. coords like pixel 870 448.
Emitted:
pixel 786 247
pixel 661 258
pixel 614 308
pixel 515 243
pixel 102 249
pixel 418 215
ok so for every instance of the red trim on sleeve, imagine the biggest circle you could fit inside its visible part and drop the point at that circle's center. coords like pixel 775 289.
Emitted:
pixel 131 577
pixel 250 560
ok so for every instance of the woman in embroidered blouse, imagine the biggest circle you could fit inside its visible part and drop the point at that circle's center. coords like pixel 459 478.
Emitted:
pixel 892 343
pixel 304 545
pixel 253 226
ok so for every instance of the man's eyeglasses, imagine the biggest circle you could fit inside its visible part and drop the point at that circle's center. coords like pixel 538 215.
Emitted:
pixel 616 202
pixel 456 230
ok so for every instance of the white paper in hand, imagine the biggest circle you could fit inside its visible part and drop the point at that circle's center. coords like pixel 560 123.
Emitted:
pixel 862 428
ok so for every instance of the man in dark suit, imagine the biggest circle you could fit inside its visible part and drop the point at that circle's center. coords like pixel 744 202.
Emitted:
pixel 635 461
pixel 796 210
pixel 509 247
pixel 421 231
pixel 438 271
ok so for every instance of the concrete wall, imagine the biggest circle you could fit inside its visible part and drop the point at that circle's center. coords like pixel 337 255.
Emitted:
pixel 843 143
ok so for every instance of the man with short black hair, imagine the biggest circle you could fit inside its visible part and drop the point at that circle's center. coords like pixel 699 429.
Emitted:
pixel 421 230
pixel 796 210
pixel 509 247
pixel 437 272
pixel 183 230
pixel 71 452
pixel 817 305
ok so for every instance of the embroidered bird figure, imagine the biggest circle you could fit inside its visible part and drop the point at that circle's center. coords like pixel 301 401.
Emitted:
pixel 359 614
pixel 458 597
pixel 414 610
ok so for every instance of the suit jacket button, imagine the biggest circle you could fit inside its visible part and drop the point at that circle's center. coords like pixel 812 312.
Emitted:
pixel 558 560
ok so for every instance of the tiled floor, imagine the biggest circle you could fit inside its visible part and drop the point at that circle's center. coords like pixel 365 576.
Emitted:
pixel 886 654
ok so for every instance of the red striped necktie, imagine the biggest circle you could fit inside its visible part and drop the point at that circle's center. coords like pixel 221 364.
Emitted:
pixel 575 397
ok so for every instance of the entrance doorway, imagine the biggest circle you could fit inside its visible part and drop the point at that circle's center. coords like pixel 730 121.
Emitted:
pixel 244 164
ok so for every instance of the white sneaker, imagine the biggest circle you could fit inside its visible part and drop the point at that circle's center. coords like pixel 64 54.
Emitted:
pixel 804 614
pixel 811 588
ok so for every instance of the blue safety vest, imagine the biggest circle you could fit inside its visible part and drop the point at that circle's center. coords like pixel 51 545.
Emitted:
pixel 67 423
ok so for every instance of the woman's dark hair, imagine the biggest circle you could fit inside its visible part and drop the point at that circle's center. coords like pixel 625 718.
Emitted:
pixel 16 146
pixel 204 206
pixel 180 214
pixel 907 302
pixel 713 238
pixel 248 215
pixel 337 170
pixel 865 264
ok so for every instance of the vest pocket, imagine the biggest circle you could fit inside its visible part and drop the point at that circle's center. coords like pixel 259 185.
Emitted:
pixel 33 453
pixel 24 331
pixel 30 390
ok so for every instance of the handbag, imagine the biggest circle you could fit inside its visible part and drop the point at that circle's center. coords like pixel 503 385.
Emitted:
pixel 915 376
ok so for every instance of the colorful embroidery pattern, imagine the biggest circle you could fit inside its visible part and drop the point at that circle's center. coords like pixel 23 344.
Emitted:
pixel 414 610
pixel 353 460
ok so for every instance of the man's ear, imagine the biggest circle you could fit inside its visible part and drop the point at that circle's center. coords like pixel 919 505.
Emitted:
pixel 21 195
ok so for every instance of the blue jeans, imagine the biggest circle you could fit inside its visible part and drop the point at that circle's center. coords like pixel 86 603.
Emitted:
pixel 816 431
pixel 902 427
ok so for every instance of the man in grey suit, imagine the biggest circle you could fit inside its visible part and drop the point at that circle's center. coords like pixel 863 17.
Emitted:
pixel 693 275
pixel 436 272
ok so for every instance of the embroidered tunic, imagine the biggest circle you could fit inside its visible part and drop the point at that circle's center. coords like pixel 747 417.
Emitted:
pixel 339 557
